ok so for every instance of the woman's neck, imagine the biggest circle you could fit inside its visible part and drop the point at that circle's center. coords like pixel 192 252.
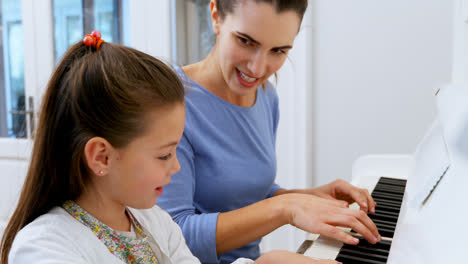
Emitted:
pixel 207 73
pixel 108 211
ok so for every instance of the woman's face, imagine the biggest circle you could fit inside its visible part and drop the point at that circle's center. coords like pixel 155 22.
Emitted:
pixel 252 43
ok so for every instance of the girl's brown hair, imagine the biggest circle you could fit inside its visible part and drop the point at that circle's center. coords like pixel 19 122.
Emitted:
pixel 104 93
pixel 226 7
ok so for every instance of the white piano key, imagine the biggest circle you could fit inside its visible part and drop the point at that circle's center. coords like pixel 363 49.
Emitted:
pixel 324 248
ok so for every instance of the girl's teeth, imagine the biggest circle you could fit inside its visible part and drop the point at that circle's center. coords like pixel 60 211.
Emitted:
pixel 246 78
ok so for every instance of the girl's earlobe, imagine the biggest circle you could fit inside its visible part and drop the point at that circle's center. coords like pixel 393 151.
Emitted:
pixel 96 153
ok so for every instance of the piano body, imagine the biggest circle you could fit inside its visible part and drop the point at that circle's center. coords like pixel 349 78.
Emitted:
pixel 431 222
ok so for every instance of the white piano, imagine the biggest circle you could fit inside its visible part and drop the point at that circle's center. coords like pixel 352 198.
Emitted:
pixel 431 225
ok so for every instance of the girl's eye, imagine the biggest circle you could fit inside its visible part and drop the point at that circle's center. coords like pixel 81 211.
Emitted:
pixel 166 157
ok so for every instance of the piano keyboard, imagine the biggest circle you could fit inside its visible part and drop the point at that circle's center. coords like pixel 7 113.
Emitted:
pixel 364 252
pixel 388 193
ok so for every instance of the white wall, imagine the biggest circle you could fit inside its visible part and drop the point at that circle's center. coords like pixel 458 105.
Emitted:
pixel 377 67
pixel 361 80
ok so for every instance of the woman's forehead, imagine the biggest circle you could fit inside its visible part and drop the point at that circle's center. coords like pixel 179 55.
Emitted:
pixel 262 22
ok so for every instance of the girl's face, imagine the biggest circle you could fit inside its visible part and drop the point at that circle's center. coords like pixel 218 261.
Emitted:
pixel 252 43
pixel 140 170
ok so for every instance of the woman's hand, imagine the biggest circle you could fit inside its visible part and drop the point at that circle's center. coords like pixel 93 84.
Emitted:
pixel 282 256
pixel 321 216
pixel 342 190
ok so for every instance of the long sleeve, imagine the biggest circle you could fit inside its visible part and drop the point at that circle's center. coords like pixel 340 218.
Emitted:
pixel 44 248
pixel 276 117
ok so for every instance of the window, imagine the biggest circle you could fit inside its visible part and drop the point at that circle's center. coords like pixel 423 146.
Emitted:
pixel 75 18
pixel 193 37
pixel 12 98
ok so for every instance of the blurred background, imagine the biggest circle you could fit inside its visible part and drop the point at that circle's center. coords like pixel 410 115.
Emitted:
pixel 360 80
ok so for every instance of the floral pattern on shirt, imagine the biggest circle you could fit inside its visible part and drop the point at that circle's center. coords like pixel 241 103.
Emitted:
pixel 129 250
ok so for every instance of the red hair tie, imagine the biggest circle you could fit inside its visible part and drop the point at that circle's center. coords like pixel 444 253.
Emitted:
pixel 93 39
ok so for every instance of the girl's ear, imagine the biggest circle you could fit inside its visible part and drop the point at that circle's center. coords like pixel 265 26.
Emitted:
pixel 97 152
pixel 215 20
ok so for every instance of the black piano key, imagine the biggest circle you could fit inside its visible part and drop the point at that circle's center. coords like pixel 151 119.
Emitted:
pixel 389 218
pixel 389 196
pixel 386 226
pixel 388 193
pixel 388 208
pixel 388 179
pixel 384 223
pixel 388 184
pixel 397 182
pixel 392 190
pixel 379 249
pixel 365 251
pixel 389 187
pixel 397 195
pixel 374 255
pixel 347 259
pixel 387 203
pixel 386 232
pixel 379 211
pixel 353 260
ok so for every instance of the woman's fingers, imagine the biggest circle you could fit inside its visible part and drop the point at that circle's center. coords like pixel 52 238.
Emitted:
pixel 338 234
pixel 359 222
pixel 333 202
pixel 367 200
pixel 318 215
pixel 359 195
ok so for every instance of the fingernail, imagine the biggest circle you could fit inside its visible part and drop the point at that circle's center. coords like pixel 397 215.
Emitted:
pixel 355 240
pixel 365 204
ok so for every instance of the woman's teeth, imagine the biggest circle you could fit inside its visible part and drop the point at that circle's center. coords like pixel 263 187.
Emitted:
pixel 246 78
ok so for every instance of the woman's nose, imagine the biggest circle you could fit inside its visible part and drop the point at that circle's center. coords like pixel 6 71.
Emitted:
pixel 257 65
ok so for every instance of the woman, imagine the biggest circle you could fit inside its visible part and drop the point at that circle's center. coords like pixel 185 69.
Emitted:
pixel 224 198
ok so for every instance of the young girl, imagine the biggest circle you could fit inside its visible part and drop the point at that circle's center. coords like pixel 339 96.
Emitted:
pixel 104 150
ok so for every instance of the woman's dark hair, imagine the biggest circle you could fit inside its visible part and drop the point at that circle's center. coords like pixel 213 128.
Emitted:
pixel 226 7
pixel 92 93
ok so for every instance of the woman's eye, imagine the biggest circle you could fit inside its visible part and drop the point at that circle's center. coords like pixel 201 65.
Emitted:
pixel 279 51
pixel 245 41
pixel 166 157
